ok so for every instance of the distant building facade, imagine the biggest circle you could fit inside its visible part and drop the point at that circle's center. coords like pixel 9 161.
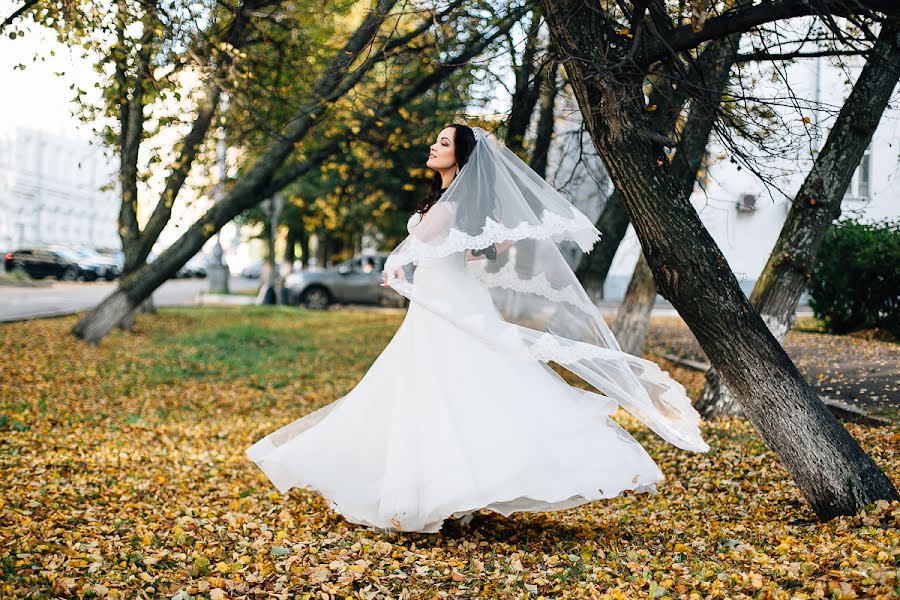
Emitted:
pixel 740 212
pixel 745 218
pixel 50 192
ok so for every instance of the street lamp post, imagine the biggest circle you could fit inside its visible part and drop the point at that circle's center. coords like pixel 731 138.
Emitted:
pixel 217 271
pixel 268 293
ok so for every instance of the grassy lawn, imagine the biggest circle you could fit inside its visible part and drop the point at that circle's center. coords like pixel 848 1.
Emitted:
pixel 123 475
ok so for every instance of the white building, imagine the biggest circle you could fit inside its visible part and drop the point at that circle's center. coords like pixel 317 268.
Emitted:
pixel 742 213
pixel 50 192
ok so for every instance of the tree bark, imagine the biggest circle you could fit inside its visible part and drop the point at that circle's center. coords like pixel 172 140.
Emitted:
pixel 303 235
pixel 816 205
pixel 137 285
pixel 833 473
pixel 613 224
pixel 713 70
pixel 525 252
pixel 633 317
pixel 613 218
pixel 289 247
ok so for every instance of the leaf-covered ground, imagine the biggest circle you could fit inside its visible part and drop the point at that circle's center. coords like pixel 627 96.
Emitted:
pixel 123 475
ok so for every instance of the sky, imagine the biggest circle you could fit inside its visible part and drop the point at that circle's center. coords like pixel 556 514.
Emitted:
pixel 35 97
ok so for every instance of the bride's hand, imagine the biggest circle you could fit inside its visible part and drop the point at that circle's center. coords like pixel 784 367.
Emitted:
pixel 398 273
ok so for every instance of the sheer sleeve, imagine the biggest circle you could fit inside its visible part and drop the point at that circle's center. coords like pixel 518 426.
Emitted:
pixel 434 224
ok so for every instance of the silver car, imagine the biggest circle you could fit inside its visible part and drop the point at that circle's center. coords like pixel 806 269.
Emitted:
pixel 357 280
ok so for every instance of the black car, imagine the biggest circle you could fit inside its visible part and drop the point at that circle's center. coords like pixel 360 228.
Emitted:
pixel 61 263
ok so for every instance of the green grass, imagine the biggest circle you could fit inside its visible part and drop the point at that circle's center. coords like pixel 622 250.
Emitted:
pixel 263 347
pixel 809 325
pixel 229 351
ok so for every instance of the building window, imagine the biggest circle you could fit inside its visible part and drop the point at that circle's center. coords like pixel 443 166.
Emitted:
pixel 859 188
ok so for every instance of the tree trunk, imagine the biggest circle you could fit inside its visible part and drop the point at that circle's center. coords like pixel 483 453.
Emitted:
pixel 545 124
pixel 613 224
pixel 290 243
pixel 708 72
pixel 265 176
pixel 633 316
pixel 525 251
pixel 324 248
pixel 833 473
pixel 527 89
pixel 713 71
pixel 304 243
pixel 816 205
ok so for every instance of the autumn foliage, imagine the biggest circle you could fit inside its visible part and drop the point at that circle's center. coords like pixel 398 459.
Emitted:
pixel 123 475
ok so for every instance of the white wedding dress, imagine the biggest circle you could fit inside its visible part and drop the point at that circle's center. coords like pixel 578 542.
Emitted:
pixel 443 425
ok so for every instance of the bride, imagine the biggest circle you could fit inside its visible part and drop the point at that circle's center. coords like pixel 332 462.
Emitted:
pixel 461 411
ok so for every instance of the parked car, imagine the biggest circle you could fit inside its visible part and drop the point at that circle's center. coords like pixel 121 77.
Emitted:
pixel 109 267
pixel 253 270
pixel 357 280
pixel 116 255
pixel 61 263
pixel 195 267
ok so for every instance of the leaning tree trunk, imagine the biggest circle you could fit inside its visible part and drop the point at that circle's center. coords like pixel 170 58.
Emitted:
pixel 834 474
pixel 613 218
pixel 816 205
pixel 714 69
pixel 147 307
pixel 633 317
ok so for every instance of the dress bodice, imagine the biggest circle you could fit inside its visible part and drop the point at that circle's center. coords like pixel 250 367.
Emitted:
pixel 455 261
pixel 413 221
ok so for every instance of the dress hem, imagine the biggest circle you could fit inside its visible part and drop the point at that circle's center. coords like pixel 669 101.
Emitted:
pixel 542 504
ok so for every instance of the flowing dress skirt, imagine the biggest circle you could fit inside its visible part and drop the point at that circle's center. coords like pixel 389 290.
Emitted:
pixel 442 425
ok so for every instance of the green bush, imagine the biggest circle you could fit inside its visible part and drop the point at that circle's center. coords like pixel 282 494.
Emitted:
pixel 855 282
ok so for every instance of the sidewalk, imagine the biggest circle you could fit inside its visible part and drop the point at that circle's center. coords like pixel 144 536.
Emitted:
pixel 860 372
pixel 207 299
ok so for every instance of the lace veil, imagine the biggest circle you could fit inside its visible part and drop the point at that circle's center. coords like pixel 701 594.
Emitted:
pixel 502 222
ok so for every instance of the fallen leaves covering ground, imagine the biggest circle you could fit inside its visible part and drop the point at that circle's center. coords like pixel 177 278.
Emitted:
pixel 123 475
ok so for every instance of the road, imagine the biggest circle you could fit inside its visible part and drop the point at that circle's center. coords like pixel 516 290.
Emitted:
pixel 60 298
pixel 65 297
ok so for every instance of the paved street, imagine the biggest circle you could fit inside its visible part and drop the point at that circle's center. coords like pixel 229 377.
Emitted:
pixel 66 297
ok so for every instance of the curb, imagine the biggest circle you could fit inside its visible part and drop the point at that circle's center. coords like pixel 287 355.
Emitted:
pixel 24 283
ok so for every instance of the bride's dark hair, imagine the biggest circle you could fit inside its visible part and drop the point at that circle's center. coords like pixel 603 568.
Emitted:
pixel 464 143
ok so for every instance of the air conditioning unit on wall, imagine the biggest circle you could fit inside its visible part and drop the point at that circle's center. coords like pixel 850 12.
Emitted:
pixel 746 203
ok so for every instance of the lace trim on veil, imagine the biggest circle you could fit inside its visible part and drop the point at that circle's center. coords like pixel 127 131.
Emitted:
pixel 539 285
pixel 670 399
pixel 552 225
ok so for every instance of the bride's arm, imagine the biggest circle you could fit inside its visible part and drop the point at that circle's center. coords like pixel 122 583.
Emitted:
pixel 434 223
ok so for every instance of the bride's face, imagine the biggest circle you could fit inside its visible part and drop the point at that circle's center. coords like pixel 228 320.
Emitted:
pixel 442 154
